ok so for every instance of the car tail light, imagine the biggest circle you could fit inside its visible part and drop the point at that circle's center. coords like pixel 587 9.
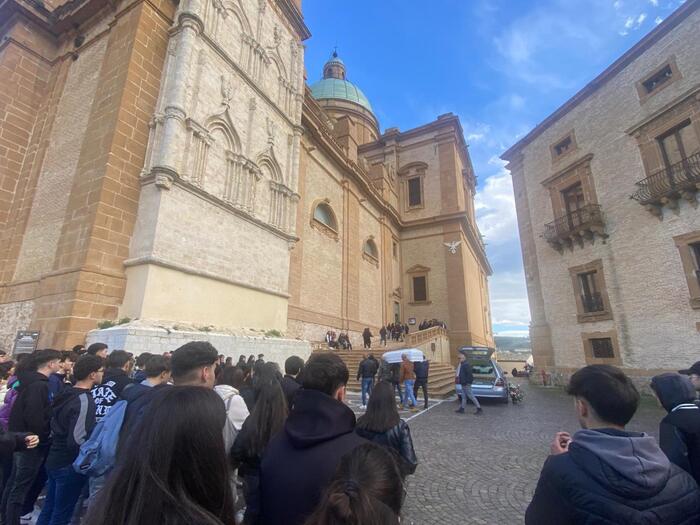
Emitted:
pixel 499 382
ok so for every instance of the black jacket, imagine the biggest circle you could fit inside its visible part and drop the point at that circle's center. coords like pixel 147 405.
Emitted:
pixel 32 409
pixel 421 369
pixel 248 466
pixel 679 431
pixel 367 368
pixel 109 392
pixel 10 442
pixel 398 439
pixel 466 376
pixel 300 461
pixel 71 424
pixel 613 477
pixel 289 387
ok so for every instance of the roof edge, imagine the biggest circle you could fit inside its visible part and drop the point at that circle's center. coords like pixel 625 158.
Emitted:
pixel 673 20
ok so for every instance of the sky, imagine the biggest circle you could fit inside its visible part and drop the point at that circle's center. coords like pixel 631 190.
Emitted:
pixel 502 66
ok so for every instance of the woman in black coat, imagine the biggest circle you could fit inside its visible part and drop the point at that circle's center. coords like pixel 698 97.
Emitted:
pixel 382 425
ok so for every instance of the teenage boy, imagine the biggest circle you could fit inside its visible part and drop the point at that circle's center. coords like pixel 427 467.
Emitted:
pixel 59 380
pixel 605 474
pixel 30 413
pixel 71 424
pixel 118 365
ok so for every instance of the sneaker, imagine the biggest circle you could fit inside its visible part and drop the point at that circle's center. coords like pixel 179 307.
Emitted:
pixel 479 411
pixel 459 411
pixel 363 407
pixel 26 519
pixel 413 409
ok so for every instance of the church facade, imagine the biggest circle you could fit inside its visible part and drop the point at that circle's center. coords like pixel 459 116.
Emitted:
pixel 168 163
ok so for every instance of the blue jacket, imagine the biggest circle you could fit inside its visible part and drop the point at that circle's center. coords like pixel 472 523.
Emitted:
pixel 466 376
pixel 613 477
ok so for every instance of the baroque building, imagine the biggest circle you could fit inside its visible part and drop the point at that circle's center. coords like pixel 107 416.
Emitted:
pixel 606 196
pixel 167 162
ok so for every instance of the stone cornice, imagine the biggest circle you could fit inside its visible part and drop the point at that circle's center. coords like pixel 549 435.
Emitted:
pixel 294 17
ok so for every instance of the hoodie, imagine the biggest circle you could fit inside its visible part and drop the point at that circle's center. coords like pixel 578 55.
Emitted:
pixel 108 393
pixel 611 476
pixel 236 409
pixel 300 461
pixel 71 425
pixel 31 411
pixel 679 431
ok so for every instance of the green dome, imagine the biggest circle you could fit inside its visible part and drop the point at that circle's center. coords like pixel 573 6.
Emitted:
pixel 339 89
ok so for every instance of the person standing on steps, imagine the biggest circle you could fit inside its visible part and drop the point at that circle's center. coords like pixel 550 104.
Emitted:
pixel 466 378
pixel 367 338
pixel 365 373
pixel 382 335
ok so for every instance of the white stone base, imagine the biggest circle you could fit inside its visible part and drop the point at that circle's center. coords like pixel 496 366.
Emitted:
pixel 156 340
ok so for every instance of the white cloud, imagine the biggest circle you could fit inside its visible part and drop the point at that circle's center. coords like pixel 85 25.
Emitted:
pixel 617 4
pixel 509 304
pixel 641 18
pixel 495 207
pixel 513 333
pixel 655 3
pixel 658 20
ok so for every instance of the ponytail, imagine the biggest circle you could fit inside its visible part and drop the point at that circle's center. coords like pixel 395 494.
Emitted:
pixel 366 490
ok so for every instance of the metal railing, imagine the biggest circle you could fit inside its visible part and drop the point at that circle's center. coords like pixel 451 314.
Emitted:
pixel 581 219
pixel 679 177
pixel 592 303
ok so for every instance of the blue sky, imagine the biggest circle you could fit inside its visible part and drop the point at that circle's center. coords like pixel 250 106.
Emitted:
pixel 501 65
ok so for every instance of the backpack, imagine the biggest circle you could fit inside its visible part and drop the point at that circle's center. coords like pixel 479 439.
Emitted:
pixel 99 453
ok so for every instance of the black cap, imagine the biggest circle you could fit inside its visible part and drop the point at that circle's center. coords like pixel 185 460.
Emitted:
pixel 695 369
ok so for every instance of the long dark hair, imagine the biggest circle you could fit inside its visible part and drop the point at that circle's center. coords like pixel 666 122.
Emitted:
pixel 231 376
pixel 367 489
pixel 270 412
pixel 175 470
pixel 381 414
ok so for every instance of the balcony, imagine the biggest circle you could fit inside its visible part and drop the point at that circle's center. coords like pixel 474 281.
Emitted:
pixel 667 186
pixel 575 227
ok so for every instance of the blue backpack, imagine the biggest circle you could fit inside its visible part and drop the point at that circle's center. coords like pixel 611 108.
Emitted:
pixel 99 453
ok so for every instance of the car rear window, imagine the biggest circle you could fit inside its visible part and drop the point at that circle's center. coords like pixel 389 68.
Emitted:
pixel 483 370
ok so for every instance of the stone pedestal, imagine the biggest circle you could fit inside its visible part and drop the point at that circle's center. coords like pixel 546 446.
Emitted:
pixel 157 339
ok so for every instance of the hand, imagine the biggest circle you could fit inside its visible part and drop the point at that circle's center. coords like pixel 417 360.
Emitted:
pixel 560 444
pixel 31 441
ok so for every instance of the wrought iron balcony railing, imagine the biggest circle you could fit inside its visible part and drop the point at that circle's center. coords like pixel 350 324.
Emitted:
pixel 678 180
pixel 592 303
pixel 580 224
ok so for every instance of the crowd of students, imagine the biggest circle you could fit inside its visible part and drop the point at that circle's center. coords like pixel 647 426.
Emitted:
pixel 189 437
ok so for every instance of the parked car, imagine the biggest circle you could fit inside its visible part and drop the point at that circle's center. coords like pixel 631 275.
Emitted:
pixel 489 379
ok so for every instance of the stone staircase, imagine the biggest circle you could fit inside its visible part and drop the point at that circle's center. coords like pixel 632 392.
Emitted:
pixel 441 381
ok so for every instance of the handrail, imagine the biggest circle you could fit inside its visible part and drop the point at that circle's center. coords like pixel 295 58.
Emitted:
pixel 682 175
pixel 415 338
pixel 588 215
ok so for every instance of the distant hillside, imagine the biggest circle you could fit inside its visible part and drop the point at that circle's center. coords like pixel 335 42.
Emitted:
pixel 508 344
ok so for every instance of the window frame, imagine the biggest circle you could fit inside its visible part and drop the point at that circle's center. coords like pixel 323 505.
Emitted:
pixel 575 273
pixel 587 339
pixel 421 204
pixel 413 288
pixel 367 256
pixel 571 149
pixel 331 231
pixel 419 271
pixel 640 85
pixel 690 265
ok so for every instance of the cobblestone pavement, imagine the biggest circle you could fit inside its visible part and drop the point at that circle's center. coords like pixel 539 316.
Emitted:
pixel 484 469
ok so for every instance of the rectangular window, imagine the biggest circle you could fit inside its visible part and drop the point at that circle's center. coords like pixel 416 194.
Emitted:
pixel 602 348
pixel 563 147
pixel 678 144
pixel 573 203
pixel 420 290
pixel 695 251
pixel 591 298
pixel 395 249
pixel 658 79
pixel 414 192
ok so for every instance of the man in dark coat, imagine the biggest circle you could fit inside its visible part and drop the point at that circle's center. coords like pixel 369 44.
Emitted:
pixel 300 461
pixel 466 378
pixel 116 378
pixel 366 371
pixel 293 367
pixel 605 474
pixel 679 431
pixel 30 413
pixel 422 370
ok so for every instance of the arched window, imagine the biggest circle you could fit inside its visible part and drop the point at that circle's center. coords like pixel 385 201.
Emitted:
pixel 370 249
pixel 323 213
